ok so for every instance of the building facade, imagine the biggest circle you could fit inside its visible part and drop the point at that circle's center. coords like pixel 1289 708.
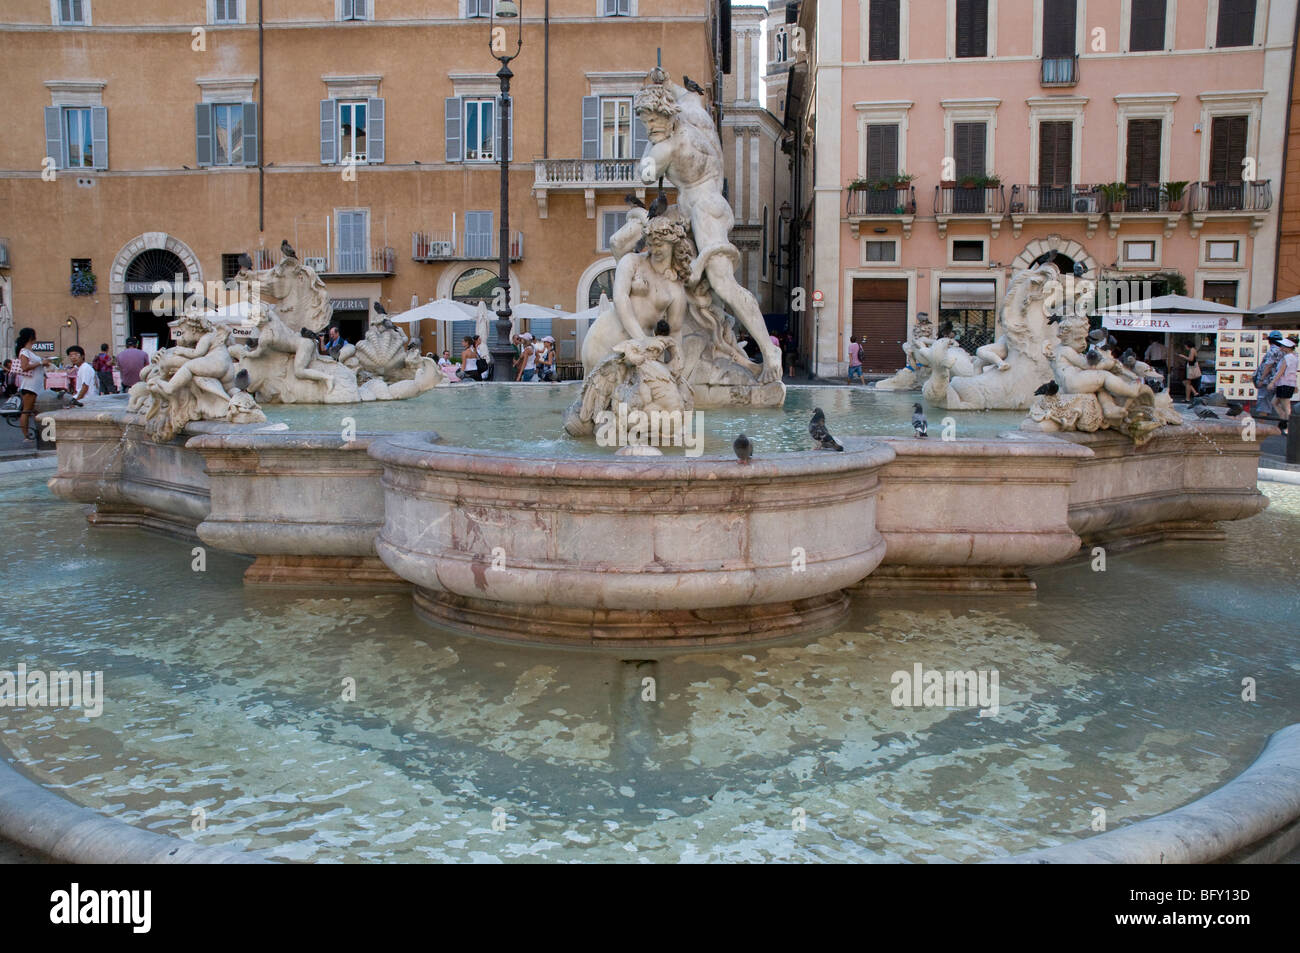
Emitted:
pixel 946 144
pixel 159 138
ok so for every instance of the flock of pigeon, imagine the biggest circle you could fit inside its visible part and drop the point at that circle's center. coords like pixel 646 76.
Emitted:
pixel 821 436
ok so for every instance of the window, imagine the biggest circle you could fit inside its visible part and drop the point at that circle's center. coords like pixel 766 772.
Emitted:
pixel 1055 153
pixel 876 252
pixel 615 127
pixel 74 12
pixel 610 222
pixel 79 139
pixel 1058 28
pixel 354 9
pixel 968 149
pixel 882 151
pixel 478 8
pixel 1147 25
pixel 1221 292
pixel 967 250
pixel 352 131
pixel 352 228
pixel 478 234
pixel 229 266
pixel 1140 252
pixel 1222 251
pixel 226 11
pixel 1236 23
pixel 80 265
pixel 616 8
pixel 1142 159
pixel 882 42
pixel 971 308
pixel 480 121
pixel 764 252
pixel 226 134
pixel 780 46
pixel 603 283
pixel 475 285
pixel 1227 147
pixel 972 28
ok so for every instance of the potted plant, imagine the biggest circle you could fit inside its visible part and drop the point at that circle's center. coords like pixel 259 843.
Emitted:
pixel 990 181
pixel 1114 193
pixel 859 185
pixel 83 283
pixel 902 180
pixel 969 181
pixel 1173 193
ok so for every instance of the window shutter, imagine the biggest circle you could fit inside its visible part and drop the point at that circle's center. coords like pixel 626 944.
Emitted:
pixel 451 128
pixel 203 134
pixel 625 8
pixel 1227 148
pixel 328 133
pixel 968 141
pixel 972 27
pixel 359 12
pixel 1143 154
pixel 1147 25
pixel 591 127
pixel 882 43
pixel 252 136
pixel 99 134
pixel 882 151
pixel 1055 153
pixel 496 133
pixel 611 8
pixel 1236 23
pixel 374 130
pixel 54 136
pixel 640 137
pixel 1058 27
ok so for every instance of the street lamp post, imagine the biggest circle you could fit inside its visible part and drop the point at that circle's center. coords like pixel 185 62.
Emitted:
pixel 503 352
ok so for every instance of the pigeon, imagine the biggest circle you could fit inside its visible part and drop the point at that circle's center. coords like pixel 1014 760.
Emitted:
pixel 287 250
pixel 1079 269
pixel 1048 389
pixel 918 420
pixel 1156 384
pixel 387 325
pixel 631 199
pixel 1093 356
pixel 245 261
pixel 1235 409
pixel 413 345
pixel 242 380
pixel 1054 318
pixel 693 86
pixel 662 329
pixel 744 449
pixel 659 205
pixel 1206 414
pixel 1195 402
pixel 821 436
pixel 308 333
pixel 380 309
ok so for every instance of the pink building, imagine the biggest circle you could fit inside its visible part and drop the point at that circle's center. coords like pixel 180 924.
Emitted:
pixel 944 143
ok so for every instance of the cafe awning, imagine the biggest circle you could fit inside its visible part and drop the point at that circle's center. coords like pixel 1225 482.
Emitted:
pixel 1177 314
pixel 961 295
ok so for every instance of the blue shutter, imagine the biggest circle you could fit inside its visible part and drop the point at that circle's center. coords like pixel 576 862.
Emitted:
pixel 624 8
pixel 451 128
pixel 203 134
pixel 54 136
pixel 375 130
pixel 328 142
pixel 252 136
pixel 99 135
pixel 640 136
pixel 510 133
pixel 478 234
pixel 591 127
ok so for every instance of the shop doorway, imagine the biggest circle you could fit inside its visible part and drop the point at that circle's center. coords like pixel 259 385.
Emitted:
pixel 880 322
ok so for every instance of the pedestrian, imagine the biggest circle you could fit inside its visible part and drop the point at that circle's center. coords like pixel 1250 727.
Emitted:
pixel 131 361
pixel 31 379
pixel 855 359
pixel 469 362
pixel 334 342
pixel 546 366
pixel 84 381
pixel 527 363
pixel 1284 382
pixel 1264 376
pixel 788 350
pixel 1192 380
pixel 448 369
pixel 1155 356
pixel 103 365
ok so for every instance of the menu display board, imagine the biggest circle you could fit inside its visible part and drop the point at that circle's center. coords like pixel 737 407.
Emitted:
pixel 1238 357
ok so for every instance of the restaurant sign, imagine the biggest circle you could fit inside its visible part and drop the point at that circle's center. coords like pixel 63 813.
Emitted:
pixel 1174 323
pixel 350 304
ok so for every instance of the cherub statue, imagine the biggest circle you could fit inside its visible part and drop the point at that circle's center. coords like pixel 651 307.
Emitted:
pixel 274 335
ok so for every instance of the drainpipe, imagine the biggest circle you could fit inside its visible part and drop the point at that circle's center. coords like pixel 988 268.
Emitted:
pixel 1286 142
pixel 546 81
pixel 261 121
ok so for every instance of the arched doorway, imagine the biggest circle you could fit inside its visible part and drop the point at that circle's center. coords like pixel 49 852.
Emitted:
pixel 132 299
pixel 145 270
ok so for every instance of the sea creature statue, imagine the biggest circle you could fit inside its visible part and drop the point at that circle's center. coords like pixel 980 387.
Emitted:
pixel 285 366
pixel 193 380
pixel 381 353
pixel 638 375
pixel 686 274
pixel 1094 391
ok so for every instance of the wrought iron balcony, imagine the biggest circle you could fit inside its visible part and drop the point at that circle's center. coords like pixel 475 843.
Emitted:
pixel 1059 70
pixel 350 261
pixel 463 246
pixel 889 204
pixel 1248 201
pixel 1146 202
pixel 1056 202
pixel 953 200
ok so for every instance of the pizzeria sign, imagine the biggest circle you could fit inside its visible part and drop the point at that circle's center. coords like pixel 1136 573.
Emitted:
pixel 1174 323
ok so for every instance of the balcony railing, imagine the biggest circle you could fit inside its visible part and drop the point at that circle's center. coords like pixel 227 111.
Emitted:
pixel 1055 200
pixel 350 261
pixel 897 201
pixel 954 199
pixel 463 246
pixel 1256 196
pixel 1060 70
pixel 585 173
pixel 1138 197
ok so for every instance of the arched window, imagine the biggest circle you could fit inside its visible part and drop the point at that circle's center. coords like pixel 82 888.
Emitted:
pixel 602 283
pixel 156 264
pixel 475 285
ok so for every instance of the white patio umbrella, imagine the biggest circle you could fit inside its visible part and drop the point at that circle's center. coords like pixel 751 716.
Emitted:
pixel 443 309
pixel 1285 308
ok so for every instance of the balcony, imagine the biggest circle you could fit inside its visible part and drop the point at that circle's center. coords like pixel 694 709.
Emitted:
pixel 1059 70
pixel 896 204
pixel 376 262
pixel 4 253
pixel 1230 201
pixel 1141 202
pixel 986 203
pixel 1055 203
pixel 463 246
pixel 585 176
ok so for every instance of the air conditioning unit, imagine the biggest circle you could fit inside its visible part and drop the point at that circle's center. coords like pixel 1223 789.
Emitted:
pixel 441 250
pixel 317 264
pixel 1086 204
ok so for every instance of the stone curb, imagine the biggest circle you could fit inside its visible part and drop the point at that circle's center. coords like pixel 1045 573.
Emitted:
pixel 48 824
pixel 1254 818
pixel 46 461
pixel 1280 476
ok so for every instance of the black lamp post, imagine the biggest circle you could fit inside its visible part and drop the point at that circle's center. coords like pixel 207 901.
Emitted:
pixel 503 353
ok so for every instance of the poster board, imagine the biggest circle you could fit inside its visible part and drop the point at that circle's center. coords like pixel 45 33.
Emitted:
pixel 1238 356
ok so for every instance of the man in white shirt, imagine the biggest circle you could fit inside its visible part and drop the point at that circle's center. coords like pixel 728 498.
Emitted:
pixel 1155 356
pixel 86 380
